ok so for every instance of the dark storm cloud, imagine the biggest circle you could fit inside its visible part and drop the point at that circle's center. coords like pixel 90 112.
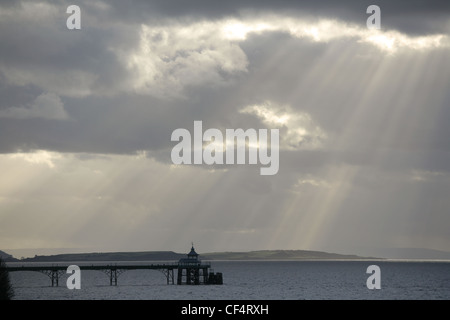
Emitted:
pixel 40 42
pixel 106 118
pixel 415 17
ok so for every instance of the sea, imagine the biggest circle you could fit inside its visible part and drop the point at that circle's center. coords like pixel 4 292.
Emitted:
pixel 252 280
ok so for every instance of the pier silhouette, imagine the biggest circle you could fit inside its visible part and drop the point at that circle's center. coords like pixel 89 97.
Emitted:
pixel 190 270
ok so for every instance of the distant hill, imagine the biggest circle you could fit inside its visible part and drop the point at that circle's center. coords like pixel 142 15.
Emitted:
pixel 172 256
pixel 278 255
pixel 110 256
pixel 7 257
pixel 410 253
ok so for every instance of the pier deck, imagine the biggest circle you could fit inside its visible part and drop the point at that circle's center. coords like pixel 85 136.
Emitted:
pixel 54 272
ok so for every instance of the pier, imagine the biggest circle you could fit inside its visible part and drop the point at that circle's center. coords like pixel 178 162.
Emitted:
pixel 190 271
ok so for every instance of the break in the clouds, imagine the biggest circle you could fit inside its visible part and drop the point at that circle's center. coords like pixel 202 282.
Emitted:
pixel 298 130
pixel 86 118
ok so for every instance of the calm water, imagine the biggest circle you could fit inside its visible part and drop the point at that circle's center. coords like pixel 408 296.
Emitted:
pixel 269 280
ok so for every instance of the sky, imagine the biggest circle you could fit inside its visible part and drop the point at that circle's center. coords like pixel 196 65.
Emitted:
pixel 86 118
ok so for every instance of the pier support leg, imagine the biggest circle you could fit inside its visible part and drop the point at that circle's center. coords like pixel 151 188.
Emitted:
pixel 113 277
pixel 180 276
pixel 55 278
pixel 170 279
pixel 205 275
